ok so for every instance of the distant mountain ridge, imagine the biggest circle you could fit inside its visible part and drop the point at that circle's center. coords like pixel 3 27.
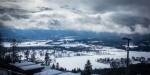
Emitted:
pixel 35 34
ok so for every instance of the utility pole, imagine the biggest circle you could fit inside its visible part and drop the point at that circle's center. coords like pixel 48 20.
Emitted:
pixel 127 49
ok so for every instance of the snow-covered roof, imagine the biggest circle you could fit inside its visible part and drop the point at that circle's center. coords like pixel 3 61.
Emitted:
pixel 27 65
pixel 30 67
pixel 69 73
pixel 55 72
pixel 49 72
pixel 23 64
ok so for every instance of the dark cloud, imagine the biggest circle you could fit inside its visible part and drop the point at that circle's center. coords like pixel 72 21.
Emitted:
pixel 9 13
pixel 130 20
pixel 2 25
pixel 118 16
pixel 17 16
pixel 11 10
pixel 5 18
pixel 128 13
pixel 111 5
pixel 90 20
pixel 45 8
pixel 54 22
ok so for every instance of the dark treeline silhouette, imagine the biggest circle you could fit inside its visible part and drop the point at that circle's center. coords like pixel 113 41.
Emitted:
pixel 57 67
pixel 134 69
pixel 114 63
pixel 121 62
pixel 10 56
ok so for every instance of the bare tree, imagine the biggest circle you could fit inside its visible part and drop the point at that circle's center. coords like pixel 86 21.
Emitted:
pixel 33 58
pixel 27 55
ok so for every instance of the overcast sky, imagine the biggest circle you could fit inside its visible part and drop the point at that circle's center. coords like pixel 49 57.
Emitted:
pixel 117 16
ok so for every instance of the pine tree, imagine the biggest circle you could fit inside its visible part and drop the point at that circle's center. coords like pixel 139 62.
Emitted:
pixel 57 66
pixel 78 70
pixel 88 68
pixel 74 70
pixel 53 66
pixel 47 58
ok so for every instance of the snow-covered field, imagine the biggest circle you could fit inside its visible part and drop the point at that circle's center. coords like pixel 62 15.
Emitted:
pixel 71 60
pixel 79 61
pixel 29 43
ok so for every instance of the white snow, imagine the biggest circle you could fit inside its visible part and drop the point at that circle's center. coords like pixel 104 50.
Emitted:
pixel 55 72
pixel 74 45
pixel 67 39
pixel 79 62
pixel 6 44
pixel 27 65
pixel 30 67
pixel 23 64
pixel 69 73
pixel 29 43
pixel 44 43
pixel 70 60
pixel 49 72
